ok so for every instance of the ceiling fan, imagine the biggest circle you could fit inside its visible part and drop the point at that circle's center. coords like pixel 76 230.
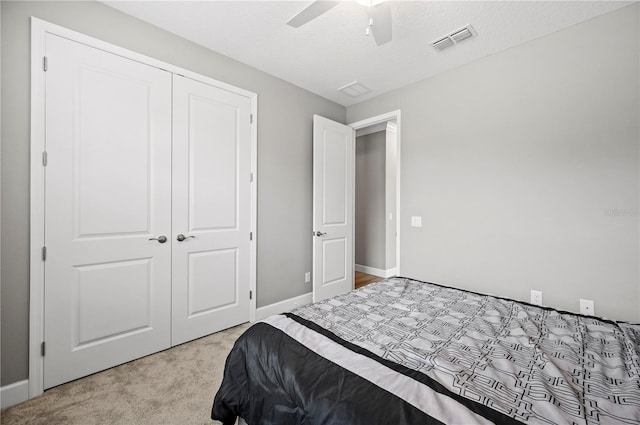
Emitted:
pixel 379 17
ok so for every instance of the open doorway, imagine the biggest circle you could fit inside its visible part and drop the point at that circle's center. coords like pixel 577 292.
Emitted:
pixel 376 209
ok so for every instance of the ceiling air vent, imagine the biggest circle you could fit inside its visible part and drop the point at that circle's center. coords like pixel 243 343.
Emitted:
pixel 443 43
pixel 461 35
pixel 453 38
pixel 355 89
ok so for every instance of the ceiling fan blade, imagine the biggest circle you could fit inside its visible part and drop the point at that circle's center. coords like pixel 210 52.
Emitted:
pixel 381 15
pixel 311 12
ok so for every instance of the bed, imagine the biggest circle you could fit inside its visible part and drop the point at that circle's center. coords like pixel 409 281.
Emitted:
pixel 402 351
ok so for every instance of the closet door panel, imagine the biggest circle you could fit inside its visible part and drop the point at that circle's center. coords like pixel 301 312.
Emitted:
pixel 213 165
pixel 211 209
pixel 108 100
pixel 205 292
pixel 108 139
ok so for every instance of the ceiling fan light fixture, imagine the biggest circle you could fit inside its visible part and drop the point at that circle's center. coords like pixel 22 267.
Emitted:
pixel 369 3
pixel 379 13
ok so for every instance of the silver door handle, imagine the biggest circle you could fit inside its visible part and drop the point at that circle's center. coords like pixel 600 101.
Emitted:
pixel 319 233
pixel 161 239
pixel 182 237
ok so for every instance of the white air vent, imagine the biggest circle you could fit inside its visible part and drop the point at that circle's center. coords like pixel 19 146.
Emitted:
pixel 461 35
pixel 453 38
pixel 443 43
pixel 355 89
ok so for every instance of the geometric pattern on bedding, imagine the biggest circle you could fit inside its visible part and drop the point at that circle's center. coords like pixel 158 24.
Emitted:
pixel 534 364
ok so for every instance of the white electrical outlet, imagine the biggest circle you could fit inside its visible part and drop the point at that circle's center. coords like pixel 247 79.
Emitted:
pixel 307 277
pixel 416 221
pixel 536 297
pixel 587 307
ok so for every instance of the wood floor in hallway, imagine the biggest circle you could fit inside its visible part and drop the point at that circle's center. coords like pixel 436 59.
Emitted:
pixel 362 279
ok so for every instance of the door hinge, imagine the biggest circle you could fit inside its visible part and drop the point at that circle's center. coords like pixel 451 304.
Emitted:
pixel 44 63
pixel 43 349
pixel 250 295
pixel 44 253
pixel 251 177
pixel 44 158
pixel 251 118
pixel 250 236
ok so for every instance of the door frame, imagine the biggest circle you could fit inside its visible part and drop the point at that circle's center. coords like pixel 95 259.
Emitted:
pixel 39 29
pixel 377 119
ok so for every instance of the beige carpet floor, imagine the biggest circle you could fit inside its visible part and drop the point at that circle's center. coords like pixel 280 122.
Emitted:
pixel 175 386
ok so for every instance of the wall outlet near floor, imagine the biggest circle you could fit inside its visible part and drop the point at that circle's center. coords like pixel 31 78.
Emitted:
pixel 587 307
pixel 416 221
pixel 536 297
pixel 307 277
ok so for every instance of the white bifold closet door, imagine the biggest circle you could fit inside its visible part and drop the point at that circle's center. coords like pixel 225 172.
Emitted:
pixel 147 238
pixel 211 209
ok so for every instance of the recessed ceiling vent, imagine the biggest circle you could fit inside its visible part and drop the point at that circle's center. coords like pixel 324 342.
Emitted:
pixel 453 38
pixel 355 89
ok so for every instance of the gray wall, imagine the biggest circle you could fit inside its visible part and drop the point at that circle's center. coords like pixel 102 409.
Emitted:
pixel 370 200
pixel 284 137
pixel 524 167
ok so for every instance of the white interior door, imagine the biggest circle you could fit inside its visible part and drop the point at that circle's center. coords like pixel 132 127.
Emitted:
pixel 211 209
pixel 333 186
pixel 108 139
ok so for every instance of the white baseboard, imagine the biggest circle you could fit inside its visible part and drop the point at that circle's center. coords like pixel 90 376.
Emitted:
pixel 376 272
pixel 283 306
pixel 13 394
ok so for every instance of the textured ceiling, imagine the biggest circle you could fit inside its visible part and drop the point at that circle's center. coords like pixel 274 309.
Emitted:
pixel 333 50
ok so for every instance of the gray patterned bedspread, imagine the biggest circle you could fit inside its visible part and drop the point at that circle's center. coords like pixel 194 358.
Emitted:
pixel 533 364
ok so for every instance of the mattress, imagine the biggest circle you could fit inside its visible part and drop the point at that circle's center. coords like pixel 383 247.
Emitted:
pixel 403 351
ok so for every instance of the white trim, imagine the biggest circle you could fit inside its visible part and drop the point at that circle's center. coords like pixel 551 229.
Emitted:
pixel 15 393
pixel 0 177
pixel 376 272
pixel 381 126
pixel 393 115
pixel 283 306
pixel 36 228
pixel 254 209
pixel 43 27
pixel 39 29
